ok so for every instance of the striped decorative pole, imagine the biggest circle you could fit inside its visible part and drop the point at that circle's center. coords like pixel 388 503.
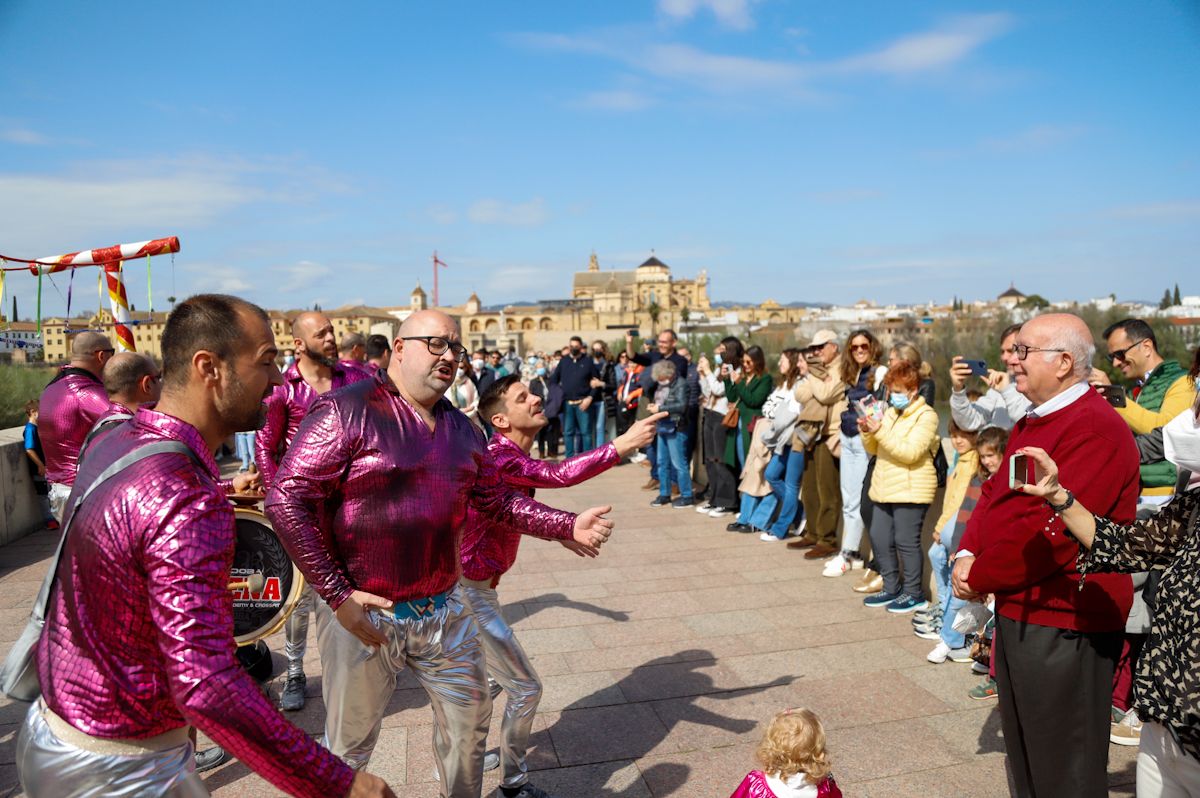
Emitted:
pixel 110 260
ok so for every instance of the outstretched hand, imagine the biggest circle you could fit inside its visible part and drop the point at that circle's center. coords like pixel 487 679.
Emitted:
pixel 638 436
pixel 580 549
pixel 592 529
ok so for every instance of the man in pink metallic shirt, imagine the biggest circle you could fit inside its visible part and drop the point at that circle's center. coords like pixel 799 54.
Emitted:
pixel 489 549
pixel 370 501
pixel 316 371
pixel 138 640
pixel 68 408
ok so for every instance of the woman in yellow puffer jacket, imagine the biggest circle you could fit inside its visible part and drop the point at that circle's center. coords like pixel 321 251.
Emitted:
pixel 902 488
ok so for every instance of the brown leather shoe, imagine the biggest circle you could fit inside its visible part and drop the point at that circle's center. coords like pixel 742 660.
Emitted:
pixel 651 485
pixel 801 543
pixel 819 551
pixel 870 583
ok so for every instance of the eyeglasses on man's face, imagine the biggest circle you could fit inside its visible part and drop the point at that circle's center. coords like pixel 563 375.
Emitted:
pixel 438 345
pixel 1120 354
pixel 1022 350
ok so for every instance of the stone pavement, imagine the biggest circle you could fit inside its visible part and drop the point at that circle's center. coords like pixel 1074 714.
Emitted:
pixel 662 660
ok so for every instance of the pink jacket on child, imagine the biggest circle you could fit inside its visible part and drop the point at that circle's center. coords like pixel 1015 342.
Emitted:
pixel 758 785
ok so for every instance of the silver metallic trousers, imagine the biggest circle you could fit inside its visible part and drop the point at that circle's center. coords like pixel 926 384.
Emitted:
pixel 295 631
pixel 52 768
pixel 509 665
pixel 59 493
pixel 444 653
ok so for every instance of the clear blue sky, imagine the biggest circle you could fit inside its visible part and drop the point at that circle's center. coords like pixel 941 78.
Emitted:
pixel 796 150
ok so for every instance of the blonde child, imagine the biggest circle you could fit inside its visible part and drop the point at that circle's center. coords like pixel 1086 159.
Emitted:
pixel 794 761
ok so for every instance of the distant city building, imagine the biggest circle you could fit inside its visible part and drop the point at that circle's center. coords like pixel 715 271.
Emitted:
pixel 1010 298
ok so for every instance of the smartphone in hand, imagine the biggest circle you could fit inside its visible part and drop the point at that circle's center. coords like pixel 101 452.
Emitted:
pixel 1022 471
pixel 1113 394
pixel 979 368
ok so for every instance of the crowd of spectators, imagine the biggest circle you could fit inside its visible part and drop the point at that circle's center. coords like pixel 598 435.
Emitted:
pixel 837 450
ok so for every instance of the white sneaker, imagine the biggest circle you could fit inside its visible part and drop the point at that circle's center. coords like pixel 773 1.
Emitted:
pixel 704 508
pixel 939 653
pixel 719 512
pixel 837 566
pixel 769 538
pixel 637 458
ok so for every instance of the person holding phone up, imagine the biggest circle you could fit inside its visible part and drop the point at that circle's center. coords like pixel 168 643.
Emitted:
pixel 1164 391
pixel 1165 682
pixel 1002 405
pixel 1061 636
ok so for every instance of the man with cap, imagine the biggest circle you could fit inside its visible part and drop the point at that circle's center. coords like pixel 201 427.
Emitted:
pixel 822 397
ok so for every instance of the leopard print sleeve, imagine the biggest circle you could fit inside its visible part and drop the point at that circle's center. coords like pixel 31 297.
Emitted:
pixel 1145 543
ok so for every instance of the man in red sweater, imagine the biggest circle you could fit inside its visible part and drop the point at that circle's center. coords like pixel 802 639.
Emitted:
pixel 1060 636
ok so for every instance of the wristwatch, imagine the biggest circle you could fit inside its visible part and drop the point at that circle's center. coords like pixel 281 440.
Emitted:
pixel 1061 508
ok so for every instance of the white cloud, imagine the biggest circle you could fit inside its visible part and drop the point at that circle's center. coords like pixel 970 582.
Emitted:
pixel 219 278
pixel 615 100
pixel 1183 209
pixel 442 214
pixel 1038 137
pixel 936 49
pixel 720 72
pixel 302 273
pixel 23 135
pixel 839 196
pixel 733 14
pixel 942 47
pixel 519 214
pixel 40 212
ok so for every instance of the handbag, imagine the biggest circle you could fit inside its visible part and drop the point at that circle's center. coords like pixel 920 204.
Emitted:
pixel 730 421
pixel 19 675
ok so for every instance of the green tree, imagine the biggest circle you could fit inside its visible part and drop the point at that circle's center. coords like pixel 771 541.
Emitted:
pixel 1177 299
pixel 1165 302
pixel 654 310
pixel 1035 301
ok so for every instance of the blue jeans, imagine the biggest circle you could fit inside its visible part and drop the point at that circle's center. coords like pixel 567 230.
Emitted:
pixel 852 474
pixel 652 457
pixel 577 429
pixel 756 511
pixel 783 474
pixel 671 460
pixel 939 560
pixel 245 448
pixel 601 423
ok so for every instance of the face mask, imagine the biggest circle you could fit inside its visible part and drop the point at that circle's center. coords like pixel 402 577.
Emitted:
pixel 575 351
pixel 1181 441
pixel 717 358
pixel 666 384
pixel 477 364
pixel 899 400
pixel 532 359
pixel 541 372
pixel 458 374
pixel 597 354
pixel 288 360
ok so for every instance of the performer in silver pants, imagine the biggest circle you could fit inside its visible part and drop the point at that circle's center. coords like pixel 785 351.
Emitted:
pixel 444 652
pixel 296 633
pixel 52 767
pixel 509 666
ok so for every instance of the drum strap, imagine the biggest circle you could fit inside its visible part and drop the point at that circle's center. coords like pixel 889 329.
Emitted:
pixel 19 678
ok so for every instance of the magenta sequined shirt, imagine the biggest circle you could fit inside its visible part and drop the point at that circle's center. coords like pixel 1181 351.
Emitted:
pixel 139 632
pixel 286 407
pixel 489 548
pixel 367 498
pixel 69 407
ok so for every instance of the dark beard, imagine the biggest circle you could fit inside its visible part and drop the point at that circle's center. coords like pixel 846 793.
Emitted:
pixel 238 410
pixel 320 359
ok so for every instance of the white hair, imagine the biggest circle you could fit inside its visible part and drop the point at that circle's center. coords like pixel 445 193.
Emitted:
pixel 1079 345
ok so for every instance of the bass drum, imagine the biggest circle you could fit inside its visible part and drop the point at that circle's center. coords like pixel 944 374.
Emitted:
pixel 258 550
